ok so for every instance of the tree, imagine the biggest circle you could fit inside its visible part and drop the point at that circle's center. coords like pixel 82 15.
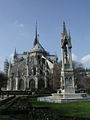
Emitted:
pixel 87 79
pixel 79 74
pixel 56 75
pixel 3 80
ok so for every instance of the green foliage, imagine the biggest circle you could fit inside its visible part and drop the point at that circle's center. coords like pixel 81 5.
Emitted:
pixel 4 117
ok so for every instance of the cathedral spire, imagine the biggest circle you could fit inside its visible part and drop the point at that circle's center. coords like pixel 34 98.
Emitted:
pixel 36 36
pixel 64 29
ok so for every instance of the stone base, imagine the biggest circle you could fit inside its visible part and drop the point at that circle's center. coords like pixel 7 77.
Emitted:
pixel 65 98
pixel 69 95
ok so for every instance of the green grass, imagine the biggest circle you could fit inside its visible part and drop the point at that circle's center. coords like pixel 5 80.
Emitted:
pixel 4 117
pixel 79 109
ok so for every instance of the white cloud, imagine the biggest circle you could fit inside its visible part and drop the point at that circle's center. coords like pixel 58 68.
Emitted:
pixel 16 22
pixel 74 57
pixel 86 59
pixel 21 25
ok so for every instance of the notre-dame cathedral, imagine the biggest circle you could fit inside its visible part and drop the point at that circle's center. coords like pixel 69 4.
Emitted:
pixel 31 69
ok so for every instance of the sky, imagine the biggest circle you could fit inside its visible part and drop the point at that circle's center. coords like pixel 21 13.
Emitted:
pixel 18 20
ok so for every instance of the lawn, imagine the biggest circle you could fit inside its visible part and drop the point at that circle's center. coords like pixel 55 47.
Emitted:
pixel 4 117
pixel 77 109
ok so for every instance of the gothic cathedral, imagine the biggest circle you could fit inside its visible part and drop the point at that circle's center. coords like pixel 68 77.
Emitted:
pixel 31 69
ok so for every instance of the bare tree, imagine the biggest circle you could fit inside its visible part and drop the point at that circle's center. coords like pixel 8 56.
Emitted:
pixel 56 75
pixel 87 79
pixel 79 74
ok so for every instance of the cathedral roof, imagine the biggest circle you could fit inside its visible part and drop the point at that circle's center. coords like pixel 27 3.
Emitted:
pixel 38 48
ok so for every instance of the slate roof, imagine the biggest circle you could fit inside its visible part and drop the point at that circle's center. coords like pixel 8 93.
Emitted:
pixel 38 48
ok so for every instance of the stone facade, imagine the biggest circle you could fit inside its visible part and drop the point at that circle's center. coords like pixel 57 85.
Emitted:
pixel 31 69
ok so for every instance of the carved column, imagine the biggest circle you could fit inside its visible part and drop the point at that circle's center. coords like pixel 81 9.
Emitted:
pixel 45 74
pixel 36 78
pixel 17 80
pixel 9 83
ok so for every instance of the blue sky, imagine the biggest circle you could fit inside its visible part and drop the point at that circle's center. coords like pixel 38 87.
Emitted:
pixel 18 19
